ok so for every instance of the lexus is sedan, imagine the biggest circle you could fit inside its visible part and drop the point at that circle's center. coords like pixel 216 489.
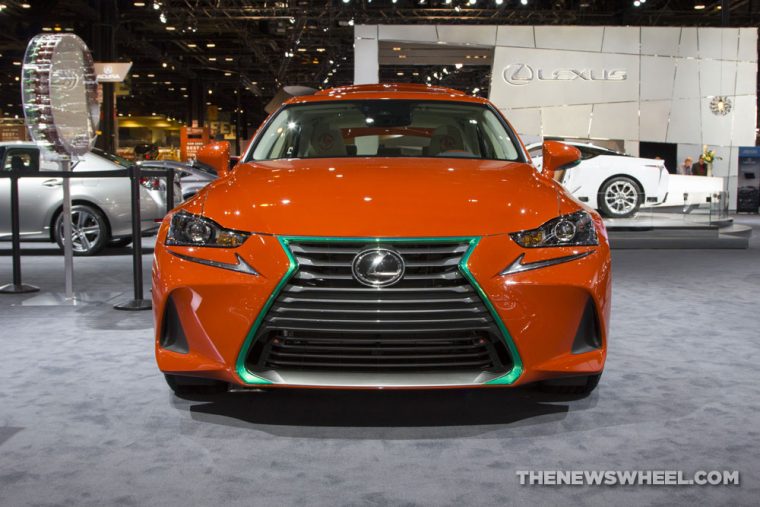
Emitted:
pixel 383 236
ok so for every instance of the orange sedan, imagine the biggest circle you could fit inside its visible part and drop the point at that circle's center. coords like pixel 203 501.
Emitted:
pixel 383 236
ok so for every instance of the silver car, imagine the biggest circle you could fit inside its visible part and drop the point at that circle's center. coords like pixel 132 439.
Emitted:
pixel 193 175
pixel 101 211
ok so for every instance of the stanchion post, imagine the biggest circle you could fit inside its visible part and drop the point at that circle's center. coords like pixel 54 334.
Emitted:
pixel 16 287
pixel 137 303
pixel 169 189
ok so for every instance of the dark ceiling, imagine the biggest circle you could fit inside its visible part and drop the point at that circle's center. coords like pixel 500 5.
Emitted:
pixel 238 48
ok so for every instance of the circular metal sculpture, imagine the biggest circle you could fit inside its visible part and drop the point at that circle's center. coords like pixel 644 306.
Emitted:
pixel 59 91
pixel 720 106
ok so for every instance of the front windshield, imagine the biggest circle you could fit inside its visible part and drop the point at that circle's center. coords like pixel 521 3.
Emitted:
pixel 386 128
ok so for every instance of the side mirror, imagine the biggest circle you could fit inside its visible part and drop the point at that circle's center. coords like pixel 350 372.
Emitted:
pixel 559 156
pixel 216 155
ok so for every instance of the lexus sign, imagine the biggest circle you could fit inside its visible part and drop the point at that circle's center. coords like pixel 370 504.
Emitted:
pixel 518 74
pixel 528 77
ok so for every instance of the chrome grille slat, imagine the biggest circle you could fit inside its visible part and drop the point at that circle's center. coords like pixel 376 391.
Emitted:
pixel 302 299
pixel 308 275
pixel 285 309
pixel 450 261
pixel 385 290
pixel 433 318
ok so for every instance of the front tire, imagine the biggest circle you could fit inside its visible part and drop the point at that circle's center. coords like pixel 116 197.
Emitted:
pixel 572 385
pixel 184 386
pixel 620 197
pixel 89 230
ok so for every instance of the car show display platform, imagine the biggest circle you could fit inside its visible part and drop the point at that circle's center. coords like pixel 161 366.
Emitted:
pixel 676 230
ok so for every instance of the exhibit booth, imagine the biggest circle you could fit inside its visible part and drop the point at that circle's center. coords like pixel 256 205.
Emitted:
pixel 657 94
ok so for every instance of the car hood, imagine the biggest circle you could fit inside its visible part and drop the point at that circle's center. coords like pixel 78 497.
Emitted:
pixel 381 197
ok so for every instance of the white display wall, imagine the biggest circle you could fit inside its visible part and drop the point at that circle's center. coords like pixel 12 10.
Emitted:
pixel 626 83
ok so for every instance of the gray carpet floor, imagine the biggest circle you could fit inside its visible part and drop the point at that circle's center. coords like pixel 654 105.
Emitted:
pixel 86 419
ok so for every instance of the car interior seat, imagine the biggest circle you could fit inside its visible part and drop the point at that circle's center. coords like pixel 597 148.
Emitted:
pixel 445 138
pixel 326 142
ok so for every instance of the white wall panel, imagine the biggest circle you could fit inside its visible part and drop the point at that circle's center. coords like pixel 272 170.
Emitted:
pixel 412 33
pixel 365 32
pixel 631 148
pixel 729 43
pixel 687 79
pixel 515 36
pixel 483 35
pixel 615 121
pixel 621 39
pixel 687 46
pixel 685 122
pixel 710 40
pixel 660 41
pixel 367 68
pixel 745 118
pixel 653 121
pixel 748 44
pixel 716 129
pixel 746 78
pixel 525 121
pixel 568 121
pixel 573 38
pixel 657 75
pixel 716 78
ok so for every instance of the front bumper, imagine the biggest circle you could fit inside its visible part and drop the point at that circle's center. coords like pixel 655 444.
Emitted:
pixel 540 313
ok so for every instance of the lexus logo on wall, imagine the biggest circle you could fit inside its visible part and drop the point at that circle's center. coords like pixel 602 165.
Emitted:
pixel 519 74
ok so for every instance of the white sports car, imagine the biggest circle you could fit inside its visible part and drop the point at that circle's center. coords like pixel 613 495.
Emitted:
pixel 615 184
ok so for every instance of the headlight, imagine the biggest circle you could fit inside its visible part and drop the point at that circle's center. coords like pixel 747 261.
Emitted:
pixel 575 229
pixel 195 230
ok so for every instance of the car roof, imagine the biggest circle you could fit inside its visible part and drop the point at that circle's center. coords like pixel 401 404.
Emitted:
pixel 18 144
pixel 404 91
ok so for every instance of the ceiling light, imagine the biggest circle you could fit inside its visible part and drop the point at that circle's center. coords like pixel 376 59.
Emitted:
pixel 151 75
pixel 228 59
pixel 320 50
pixel 524 2
pixel 139 4
pixel 228 74
pixel 26 6
pixel 191 45
pixel 499 2
pixel 210 45
pixel 636 3
pixel 163 65
pixel 458 65
pixel 211 58
pixel 699 6
pixel 170 28
pixel 162 17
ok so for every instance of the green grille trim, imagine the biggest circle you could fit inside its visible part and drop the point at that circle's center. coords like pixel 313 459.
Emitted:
pixel 250 378
pixel 245 375
pixel 517 367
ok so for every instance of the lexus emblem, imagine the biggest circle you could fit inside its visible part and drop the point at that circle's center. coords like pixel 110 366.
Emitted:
pixel 378 267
